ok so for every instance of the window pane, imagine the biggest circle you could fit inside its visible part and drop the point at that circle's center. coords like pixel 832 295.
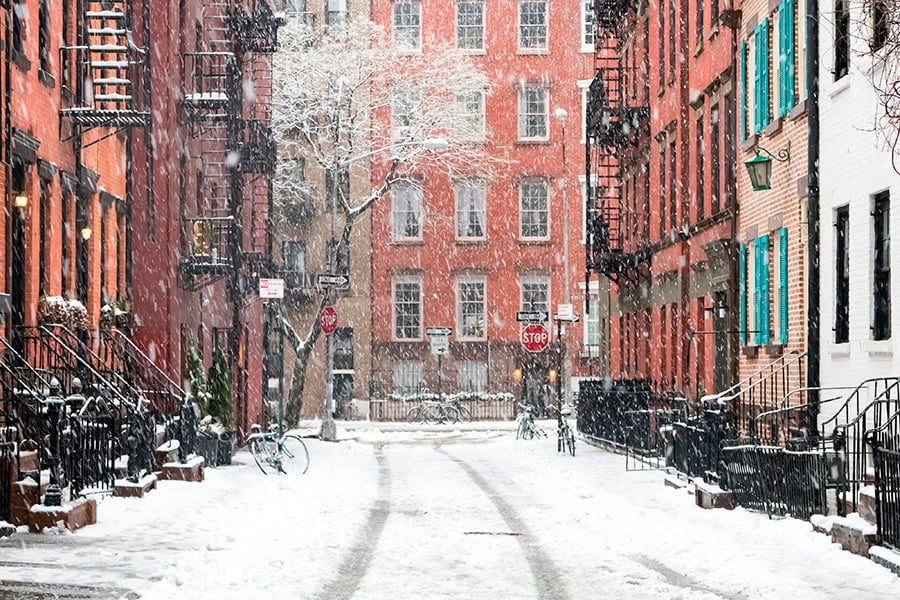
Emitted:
pixel 406 24
pixel 407 309
pixel 536 296
pixel 470 215
pixel 534 210
pixel 471 309
pixel 532 24
pixel 407 206
pixel 470 25
pixel 533 113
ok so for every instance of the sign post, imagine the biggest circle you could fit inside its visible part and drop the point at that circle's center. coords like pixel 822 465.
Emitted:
pixel 440 345
pixel 564 314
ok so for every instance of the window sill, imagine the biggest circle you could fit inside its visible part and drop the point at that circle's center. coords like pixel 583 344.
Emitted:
pixel 534 241
pixel 20 61
pixel 587 49
pixel 798 111
pixel 46 78
pixel 839 350
pixel 471 241
pixel 749 144
pixel 772 128
pixel 879 347
pixel 839 86
pixel 473 51
pixel 407 242
pixel 533 141
pixel 774 349
pixel 750 351
pixel 533 51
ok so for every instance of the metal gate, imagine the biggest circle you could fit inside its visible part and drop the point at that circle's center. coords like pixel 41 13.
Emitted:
pixel 887 495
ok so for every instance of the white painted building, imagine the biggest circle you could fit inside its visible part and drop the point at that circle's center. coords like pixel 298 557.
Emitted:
pixel 858 184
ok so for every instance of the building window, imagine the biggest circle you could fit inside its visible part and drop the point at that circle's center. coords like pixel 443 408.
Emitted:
pixel 534 213
pixel 535 295
pixel 407 309
pixel 472 376
pixel 404 105
pixel 342 349
pixel 533 113
pixel 761 288
pixel 19 27
pixel 293 257
pixel 335 16
pixel 715 180
pixel 471 109
pixel 701 174
pixel 699 22
pixel 470 211
pixel 470 300
pixel 587 26
pixel 881 220
pixel 881 26
pixel 673 190
pixel 44 36
pixel 841 38
pixel 406 209
pixel 470 24
pixel 842 276
pixel 745 93
pixel 407 23
pixel 592 326
pixel 46 187
pixel 672 31
pixel 408 377
pixel 662 191
pixel 336 192
pixel 532 24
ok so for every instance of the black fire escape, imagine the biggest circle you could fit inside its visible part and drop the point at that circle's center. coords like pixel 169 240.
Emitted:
pixel 615 128
pixel 227 102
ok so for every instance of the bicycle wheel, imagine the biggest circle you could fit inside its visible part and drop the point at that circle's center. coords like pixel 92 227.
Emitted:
pixel 571 442
pixel 465 415
pixel 520 431
pixel 294 453
pixel 449 414
pixel 260 452
pixel 414 414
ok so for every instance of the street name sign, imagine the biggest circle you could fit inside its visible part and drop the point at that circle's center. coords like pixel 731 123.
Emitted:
pixel 439 331
pixel 573 318
pixel 440 345
pixel 534 337
pixel 524 316
pixel 328 320
pixel 271 288
pixel 341 282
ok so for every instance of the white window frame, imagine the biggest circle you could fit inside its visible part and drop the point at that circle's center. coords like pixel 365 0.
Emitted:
pixel 405 280
pixel 472 376
pixel 406 25
pixel 463 332
pixel 523 104
pixel 584 85
pixel 534 280
pixel 339 9
pixel 542 45
pixel 407 377
pixel 522 187
pixel 584 202
pixel 416 193
pixel 592 320
pixel 475 129
pixel 404 103
pixel 477 50
pixel 586 46
pixel 477 187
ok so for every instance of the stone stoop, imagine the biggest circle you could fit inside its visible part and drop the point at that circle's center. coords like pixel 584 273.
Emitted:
pixel 74 516
pixel 854 534
pixel 886 558
pixel 192 470
pixel 25 494
pixel 673 481
pixel 166 453
pixel 710 496
pixel 867 505
pixel 127 489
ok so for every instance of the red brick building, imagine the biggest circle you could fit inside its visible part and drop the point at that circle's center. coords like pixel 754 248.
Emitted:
pixel 478 253
pixel 662 152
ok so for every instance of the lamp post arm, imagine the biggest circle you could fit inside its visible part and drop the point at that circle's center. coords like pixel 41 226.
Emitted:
pixel 783 155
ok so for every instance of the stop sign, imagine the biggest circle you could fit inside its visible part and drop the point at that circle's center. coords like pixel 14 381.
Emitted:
pixel 535 337
pixel 328 320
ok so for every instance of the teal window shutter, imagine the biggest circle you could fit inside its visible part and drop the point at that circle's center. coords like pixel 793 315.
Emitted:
pixel 757 292
pixel 783 283
pixel 742 274
pixel 763 325
pixel 757 79
pixel 744 96
pixel 764 54
pixel 782 58
pixel 791 70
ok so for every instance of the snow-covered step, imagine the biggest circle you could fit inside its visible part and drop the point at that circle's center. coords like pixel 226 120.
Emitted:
pixel 107 31
pixel 104 14
pixel 107 48
pixel 111 97
pixel 110 64
pixel 112 81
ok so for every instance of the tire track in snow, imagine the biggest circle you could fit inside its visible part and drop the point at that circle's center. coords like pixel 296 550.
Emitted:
pixel 546 576
pixel 351 572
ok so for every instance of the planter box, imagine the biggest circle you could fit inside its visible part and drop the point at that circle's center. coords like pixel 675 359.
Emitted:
pixel 208 448
pixel 226 448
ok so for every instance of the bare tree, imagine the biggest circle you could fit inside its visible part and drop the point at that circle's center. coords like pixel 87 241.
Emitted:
pixel 354 102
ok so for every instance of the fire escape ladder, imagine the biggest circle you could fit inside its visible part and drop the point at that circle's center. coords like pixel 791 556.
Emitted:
pixel 104 70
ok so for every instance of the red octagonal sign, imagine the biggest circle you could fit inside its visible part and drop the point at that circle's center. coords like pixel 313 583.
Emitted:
pixel 535 337
pixel 328 320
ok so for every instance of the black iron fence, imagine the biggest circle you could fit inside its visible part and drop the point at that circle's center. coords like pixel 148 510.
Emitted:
pixel 492 407
pixel 8 469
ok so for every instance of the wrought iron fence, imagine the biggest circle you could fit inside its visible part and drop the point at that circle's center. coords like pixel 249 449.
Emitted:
pixel 89 451
pixel 9 466
pixel 481 409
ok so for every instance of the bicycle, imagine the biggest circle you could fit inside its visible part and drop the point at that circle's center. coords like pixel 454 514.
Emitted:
pixel 565 437
pixel 272 452
pixel 432 412
pixel 527 428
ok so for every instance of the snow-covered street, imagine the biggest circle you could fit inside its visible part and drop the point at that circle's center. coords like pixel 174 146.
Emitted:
pixel 445 513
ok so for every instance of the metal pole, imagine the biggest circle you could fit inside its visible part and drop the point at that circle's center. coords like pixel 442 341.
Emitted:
pixel 559 366
pixel 561 115
pixel 280 387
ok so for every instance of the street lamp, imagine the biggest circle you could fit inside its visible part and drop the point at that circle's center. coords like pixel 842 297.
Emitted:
pixel 760 167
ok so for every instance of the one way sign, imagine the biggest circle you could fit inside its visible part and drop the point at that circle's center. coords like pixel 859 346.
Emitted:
pixel 438 331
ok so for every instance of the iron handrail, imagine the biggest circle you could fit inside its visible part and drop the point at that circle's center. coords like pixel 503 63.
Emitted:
pixel 737 389
pixel 855 393
pixel 23 364
pixel 154 368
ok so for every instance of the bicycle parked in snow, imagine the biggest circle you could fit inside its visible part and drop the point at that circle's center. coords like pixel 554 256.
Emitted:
pixel 272 451
pixel 527 428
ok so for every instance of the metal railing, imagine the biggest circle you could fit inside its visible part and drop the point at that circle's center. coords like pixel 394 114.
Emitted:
pixel 481 410
pixel 885 444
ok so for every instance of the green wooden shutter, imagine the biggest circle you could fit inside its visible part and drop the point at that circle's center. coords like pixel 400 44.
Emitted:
pixel 742 274
pixel 757 79
pixel 782 58
pixel 763 324
pixel 744 96
pixel 757 292
pixel 764 97
pixel 783 283
pixel 790 74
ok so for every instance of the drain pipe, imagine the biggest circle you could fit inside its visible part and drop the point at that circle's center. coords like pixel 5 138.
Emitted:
pixel 813 335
